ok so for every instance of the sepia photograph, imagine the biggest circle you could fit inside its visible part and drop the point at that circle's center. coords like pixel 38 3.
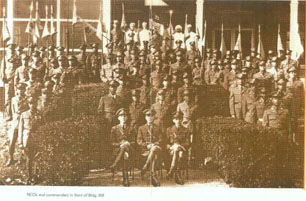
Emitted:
pixel 152 93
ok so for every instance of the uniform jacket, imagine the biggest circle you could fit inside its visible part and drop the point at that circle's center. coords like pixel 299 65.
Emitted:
pixel 178 135
pixel 148 135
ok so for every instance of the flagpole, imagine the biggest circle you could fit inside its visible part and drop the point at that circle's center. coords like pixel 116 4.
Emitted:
pixel 67 31
pixel 170 28
pixel 3 42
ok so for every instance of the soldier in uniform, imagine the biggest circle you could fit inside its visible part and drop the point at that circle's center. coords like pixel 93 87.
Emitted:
pixel 74 71
pixel 7 73
pixel 38 64
pixel 178 35
pixel 198 72
pixel 250 97
pixel 29 121
pixel 162 109
pixel 109 104
pixel 236 97
pixel 156 75
pixel 179 67
pixel 122 140
pixel 170 93
pixel 95 61
pixel 136 109
pixel 144 36
pixel 187 85
pixel 263 78
pixel 21 74
pixel 178 142
pixel 19 105
pixel 148 139
pixel 296 96
pixel 82 57
pixel 117 36
pixel 106 73
pixel 144 67
pixel 214 75
pixel 191 37
pixel 147 95
pixel 192 53
pixel 131 35
pixel 119 61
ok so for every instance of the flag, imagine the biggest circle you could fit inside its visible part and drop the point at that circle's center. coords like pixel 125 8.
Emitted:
pixel 40 27
pixel 253 45
pixel 185 28
pixel 37 26
pixel 295 44
pixel 74 14
pixel 260 49
pixel 123 21
pixel 170 28
pixel 30 25
pixel 204 37
pixel 46 31
pixel 238 42
pixel 52 28
pixel 155 3
pixel 279 42
pixel 100 27
pixel 222 45
pixel 6 36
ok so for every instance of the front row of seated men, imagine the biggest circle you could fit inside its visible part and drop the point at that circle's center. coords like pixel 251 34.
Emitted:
pixel 149 146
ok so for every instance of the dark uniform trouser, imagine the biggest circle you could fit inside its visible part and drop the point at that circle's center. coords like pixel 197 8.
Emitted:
pixel 9 93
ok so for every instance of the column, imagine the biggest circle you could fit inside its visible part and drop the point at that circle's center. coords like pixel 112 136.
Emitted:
pixel 200 18
pixel 58 22
pixel 10 18
pixel 106 9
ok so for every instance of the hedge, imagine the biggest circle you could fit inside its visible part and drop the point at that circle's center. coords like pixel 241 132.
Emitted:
pixel 246 155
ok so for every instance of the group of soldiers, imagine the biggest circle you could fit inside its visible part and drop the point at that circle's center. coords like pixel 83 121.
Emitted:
pixel 155 96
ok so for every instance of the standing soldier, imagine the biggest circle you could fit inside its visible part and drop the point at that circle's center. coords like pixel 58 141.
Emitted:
pixel 106 73
pixel 29 121
pixel 131 35
pixel 178 35
pixel 250 97
pixel 144 67
pixel 122 140
pixel 236 97
pixel 38 65
pixel 179 67
pixel 82 56
pixel 263 78
pixel 7 73
pixel 19 51
pixel 21 74
pixel 148 139
pixel 147 95
pixel 296 92
pixel 198 72
pixel 19 105
pixel 109 104
pixel 178 142
pixel 95 64
pixel 187 85
pixel 162 110
pixel 119 61
pixel 213 75
pixel 76 76
pixel 192 53
pixel 117 36
pixel 191 37
pixel 170 93
pixel 136 109
pixel 144 36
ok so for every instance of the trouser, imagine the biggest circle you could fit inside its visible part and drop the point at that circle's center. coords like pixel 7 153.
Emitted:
pixel 177 156
pixel 123 154
pixel 13 135
pixel 8 95
pixel 238 111
pixel 151 159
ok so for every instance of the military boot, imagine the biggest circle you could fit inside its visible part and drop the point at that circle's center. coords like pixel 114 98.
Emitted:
pixel 178 178
pixel 125 179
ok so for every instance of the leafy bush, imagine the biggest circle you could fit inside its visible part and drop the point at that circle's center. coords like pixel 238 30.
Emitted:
pixel 249 156
pixel 67 149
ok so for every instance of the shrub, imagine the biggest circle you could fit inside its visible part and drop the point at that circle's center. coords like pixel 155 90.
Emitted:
pixel 248 155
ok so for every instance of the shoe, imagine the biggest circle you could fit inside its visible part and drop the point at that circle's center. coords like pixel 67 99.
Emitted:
pixel 178 179
pixel 155 181
pixel 142 172
pixel 126 179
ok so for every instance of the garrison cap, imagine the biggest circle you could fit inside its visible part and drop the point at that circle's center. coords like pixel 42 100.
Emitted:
pixel 11 46
pixel 161 92
pixel 113 83
pixel 72 57
pixel 215 51
pixel 149 112
pixel 51 48
pixel 228 52
pixel 135 92
pixel 60 48
pixel 22 86
pixel 35 54
pixel 121 112
pixel 83 46
pixel 19 48
pixel 61 58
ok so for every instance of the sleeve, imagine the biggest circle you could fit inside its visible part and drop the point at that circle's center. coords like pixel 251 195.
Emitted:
pixel 265 119
pixel 140 139
pixel 232 101
pixel 101 106
pixel 20 131
pixel 113 138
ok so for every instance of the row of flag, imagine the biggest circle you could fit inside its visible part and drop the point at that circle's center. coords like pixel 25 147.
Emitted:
pixel 34 28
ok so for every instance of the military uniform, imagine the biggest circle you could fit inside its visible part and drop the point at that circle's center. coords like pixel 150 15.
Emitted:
pixel 21 74
pixel 235 99
pixel 136 109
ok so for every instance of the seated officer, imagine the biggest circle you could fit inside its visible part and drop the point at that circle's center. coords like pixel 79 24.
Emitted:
pixel 122 141
pixel 148 139
pixel 178 142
